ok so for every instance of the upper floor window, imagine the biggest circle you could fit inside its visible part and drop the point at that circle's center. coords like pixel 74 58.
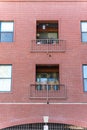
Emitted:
pixel 6 31
pixel 84 31
pixel 47 32
pixel 5 78
pixel 85 77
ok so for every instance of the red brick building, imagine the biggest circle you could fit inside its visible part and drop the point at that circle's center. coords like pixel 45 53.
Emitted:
pixel 43 64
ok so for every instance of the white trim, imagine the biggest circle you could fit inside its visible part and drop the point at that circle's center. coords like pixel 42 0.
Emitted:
pixel 43 103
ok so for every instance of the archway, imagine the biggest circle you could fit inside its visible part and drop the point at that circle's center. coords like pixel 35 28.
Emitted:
pixel 42 126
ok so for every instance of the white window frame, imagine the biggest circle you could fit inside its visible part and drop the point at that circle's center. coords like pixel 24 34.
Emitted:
pixel 84 68
pixel 6 29
pixel 5 77
pixel 83 30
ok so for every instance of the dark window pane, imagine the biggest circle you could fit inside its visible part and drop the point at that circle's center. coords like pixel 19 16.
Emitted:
pixel 84 37
pixel 7 37
pixel 85 85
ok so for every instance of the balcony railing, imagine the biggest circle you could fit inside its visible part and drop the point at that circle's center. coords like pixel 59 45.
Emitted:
pixel 48 45
pixel 47 91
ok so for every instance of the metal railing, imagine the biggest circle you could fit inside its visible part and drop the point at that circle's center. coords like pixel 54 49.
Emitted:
pixel 47 91
pixel 40 126
pixel 48 45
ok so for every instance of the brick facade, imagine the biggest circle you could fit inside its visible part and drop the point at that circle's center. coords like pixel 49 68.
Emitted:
pixel 70 110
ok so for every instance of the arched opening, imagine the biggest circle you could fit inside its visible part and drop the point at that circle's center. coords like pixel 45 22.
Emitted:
pixel 43 126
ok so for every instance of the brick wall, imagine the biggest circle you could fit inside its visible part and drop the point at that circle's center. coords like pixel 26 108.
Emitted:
pixel 18 53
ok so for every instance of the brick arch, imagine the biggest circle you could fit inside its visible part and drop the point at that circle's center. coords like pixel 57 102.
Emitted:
pixel 31 120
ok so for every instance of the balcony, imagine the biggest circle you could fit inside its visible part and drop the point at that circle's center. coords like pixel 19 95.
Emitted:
pixel 47 91
pixel 48 45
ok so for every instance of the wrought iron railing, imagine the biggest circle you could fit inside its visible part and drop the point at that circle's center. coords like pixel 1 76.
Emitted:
pixel 48 45
pixel 40 126
pixel 47 91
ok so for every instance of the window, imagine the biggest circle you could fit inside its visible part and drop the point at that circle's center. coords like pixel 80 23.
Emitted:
pixel 85 77
pixel 47 76
pixel 47 32
pixel 5 78
pixel 6 31
pixel 84 31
